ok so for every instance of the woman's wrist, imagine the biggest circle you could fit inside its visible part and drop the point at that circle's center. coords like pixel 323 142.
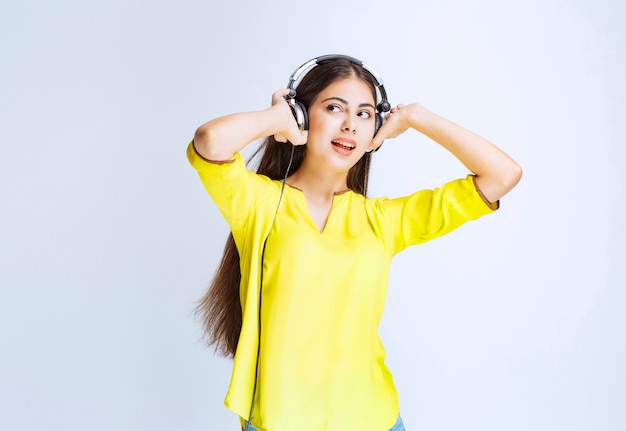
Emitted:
pixel 420 118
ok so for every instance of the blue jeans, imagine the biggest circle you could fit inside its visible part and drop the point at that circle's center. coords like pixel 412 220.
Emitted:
pixel 398 426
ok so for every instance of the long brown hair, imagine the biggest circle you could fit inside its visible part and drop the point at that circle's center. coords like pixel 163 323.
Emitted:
pixel 220 307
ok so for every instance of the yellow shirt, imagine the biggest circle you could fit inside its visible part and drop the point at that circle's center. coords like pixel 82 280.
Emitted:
pixel 321 366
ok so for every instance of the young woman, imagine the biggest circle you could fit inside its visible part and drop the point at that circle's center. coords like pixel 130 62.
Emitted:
pixel 301 287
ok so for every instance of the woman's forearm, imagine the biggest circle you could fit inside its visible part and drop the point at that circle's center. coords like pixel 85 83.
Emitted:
pixel 496 172
pixel 221 138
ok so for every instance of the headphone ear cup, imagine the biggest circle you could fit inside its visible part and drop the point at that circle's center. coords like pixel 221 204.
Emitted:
pixel 300 114
pixel 378 122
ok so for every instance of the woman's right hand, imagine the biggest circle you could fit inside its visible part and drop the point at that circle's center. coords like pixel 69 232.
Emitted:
pixel 289 130
pixel 222 137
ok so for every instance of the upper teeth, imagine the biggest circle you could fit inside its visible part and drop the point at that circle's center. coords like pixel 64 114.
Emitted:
pixel 345 144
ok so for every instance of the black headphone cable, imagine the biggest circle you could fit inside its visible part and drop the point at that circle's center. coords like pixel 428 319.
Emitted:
pixel 258 351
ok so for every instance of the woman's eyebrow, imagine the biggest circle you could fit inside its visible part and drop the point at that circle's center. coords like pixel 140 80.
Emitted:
pixel 345 102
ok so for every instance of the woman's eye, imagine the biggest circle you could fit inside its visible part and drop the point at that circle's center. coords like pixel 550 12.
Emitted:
pixel 365 114
pixel 333 108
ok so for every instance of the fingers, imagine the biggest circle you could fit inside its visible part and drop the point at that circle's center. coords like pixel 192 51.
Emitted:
pixel 289 131
pixel 378 140
pixel 395 109
pixel 297 139
pixel 373 146
pixel 391 128
pixel 279 96
pixel 301 138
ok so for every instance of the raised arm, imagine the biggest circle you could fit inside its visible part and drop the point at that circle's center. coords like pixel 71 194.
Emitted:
pixel 221 138
pixel 496 172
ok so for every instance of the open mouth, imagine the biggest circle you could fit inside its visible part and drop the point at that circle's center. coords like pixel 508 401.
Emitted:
pixel 343 146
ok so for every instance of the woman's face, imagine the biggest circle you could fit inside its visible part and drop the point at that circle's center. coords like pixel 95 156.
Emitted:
pixel 341 124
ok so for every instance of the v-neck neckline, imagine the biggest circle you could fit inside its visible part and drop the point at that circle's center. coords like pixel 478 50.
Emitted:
pixel 301 195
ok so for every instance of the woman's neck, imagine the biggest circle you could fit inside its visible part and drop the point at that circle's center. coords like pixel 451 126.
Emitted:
pixel 318 183
pixel 319 188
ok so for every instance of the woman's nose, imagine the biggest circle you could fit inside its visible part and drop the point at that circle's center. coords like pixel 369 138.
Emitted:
pixel 349 125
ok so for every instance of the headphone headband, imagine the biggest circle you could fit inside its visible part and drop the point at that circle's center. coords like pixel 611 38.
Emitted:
pixel 382 107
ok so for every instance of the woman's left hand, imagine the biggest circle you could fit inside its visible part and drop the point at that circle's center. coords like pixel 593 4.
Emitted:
pixel 496 172
pixel 397 121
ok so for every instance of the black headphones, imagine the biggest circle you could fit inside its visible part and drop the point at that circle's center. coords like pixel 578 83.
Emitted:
pixel 298 109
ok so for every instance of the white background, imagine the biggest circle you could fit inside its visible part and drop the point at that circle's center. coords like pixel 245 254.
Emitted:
pixel 107 239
